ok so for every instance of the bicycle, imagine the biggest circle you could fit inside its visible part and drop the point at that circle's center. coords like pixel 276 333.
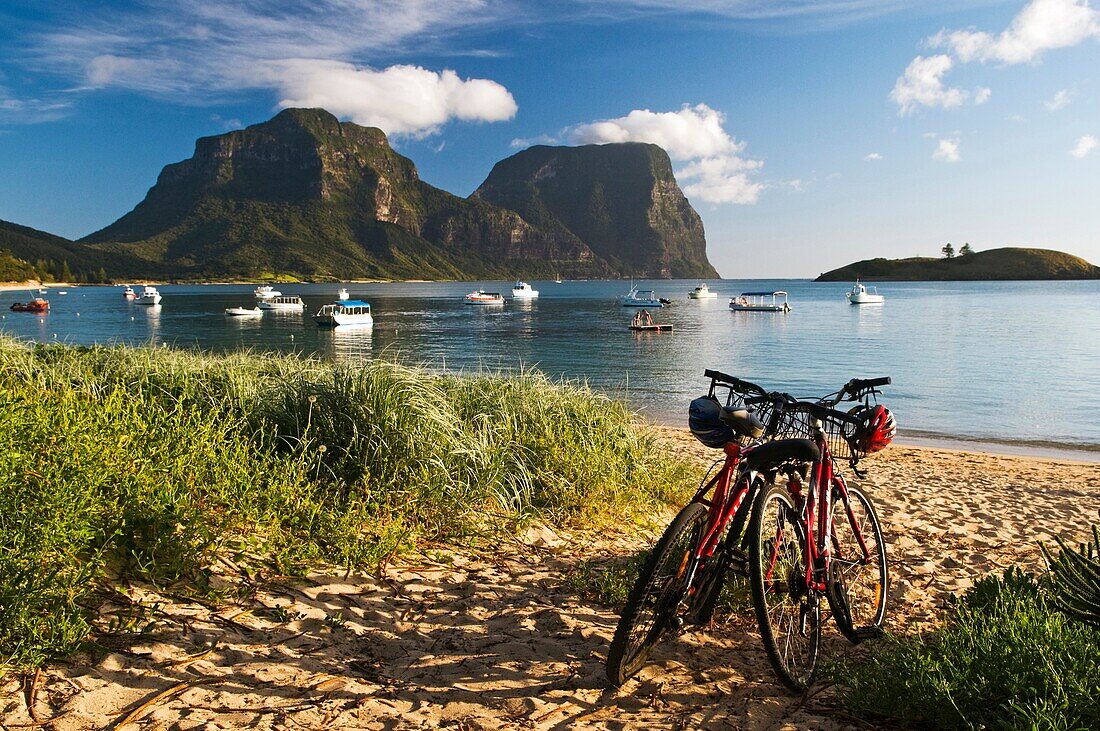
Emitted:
pixel 682 578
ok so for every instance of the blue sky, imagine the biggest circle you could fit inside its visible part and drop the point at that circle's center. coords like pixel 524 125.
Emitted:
pixel 806 134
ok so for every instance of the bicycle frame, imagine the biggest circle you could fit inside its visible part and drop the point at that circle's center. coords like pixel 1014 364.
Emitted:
pixel 821 538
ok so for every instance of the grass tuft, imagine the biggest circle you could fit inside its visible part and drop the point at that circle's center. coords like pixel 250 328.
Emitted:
pixel 1005 659
pixel 147 463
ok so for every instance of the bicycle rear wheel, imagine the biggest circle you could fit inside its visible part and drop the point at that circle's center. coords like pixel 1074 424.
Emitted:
pixel 857 582
pixel 656 600
pixel 789 614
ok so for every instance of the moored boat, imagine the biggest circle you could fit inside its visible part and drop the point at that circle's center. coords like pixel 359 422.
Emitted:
pixel 282 303
pixel 129 293
pixel 36 305
pixel 859 294
pixel 149 296
pixel 523 291
pixel 347 312
pixel 760 302
pixel 481 297
pixel 641 298
pixel 243 312
pixel 265 292
pixel 342 294
pixel 702 292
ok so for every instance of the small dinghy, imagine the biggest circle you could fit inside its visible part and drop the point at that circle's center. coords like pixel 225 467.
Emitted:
pixel 243 312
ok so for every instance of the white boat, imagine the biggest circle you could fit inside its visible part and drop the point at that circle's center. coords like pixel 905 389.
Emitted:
pixel 282 303
pixel 63 292
pixel 129 293
pixel 760 302
pixel 266 292
pixel 523 291
pixel 702 292
pixel 149 296
pixel 481 297
pixel 641 298
pixel 243 312
pixel 42 291
pixel 861 295
pixel 342 294
pixel 347 312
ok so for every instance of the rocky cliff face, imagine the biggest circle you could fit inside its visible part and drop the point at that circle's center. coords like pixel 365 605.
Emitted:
pixel 306 194
pixel 621 200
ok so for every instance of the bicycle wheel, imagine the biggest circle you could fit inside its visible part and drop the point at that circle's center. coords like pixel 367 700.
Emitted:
pixel 656 599
pixel 789 614
pixel 857 583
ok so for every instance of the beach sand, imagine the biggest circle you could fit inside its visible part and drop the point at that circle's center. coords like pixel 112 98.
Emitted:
pixel 494 640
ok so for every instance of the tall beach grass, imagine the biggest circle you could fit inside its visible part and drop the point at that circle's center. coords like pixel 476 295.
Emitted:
pixel 146 463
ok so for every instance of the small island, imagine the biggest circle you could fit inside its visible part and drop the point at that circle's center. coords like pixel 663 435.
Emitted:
pixel 1009 263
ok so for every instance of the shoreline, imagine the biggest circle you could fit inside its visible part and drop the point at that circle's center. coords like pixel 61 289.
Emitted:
pixel 1039 450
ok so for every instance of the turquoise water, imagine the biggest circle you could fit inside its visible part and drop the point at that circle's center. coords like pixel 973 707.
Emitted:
pixel 1012 362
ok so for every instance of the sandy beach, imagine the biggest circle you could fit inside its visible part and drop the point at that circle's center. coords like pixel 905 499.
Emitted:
pixel 488 640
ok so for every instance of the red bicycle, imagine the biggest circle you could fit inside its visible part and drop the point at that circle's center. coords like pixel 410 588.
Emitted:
pixel 796 543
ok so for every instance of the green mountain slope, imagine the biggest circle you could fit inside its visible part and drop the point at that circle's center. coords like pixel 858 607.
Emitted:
pixel 307 195
pixel 51 257
pixel 1007 263
pixel 622 200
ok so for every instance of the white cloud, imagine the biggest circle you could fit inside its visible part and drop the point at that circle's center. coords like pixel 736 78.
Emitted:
pixel 1085 145
pixel 922 84
pixel 872 156
pixel 303 53
pixel 947 150
pixel 1058 101
pixel 14 110
pixel 1042 25
pixel 715 171
pixel 400 99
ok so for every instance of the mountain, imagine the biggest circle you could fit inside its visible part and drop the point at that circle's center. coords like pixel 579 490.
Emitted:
pixel 45 256
pixel 307 195
pixel 620 199
pixel 1006 263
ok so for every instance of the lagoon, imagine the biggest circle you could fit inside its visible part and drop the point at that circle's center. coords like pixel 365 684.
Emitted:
pixel 1014 363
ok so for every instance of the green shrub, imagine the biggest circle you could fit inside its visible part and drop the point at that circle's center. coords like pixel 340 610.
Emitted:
pixel 146 463
pixel 1004 659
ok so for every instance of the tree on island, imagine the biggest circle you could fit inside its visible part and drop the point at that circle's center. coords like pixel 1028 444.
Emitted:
pixel 965 250
pixel 948 251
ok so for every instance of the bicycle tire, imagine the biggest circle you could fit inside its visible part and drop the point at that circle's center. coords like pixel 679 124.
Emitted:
pixel 642 623
pixel 857 594
pixel 787 612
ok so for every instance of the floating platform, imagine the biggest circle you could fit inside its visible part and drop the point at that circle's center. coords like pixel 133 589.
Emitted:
pixel 652 328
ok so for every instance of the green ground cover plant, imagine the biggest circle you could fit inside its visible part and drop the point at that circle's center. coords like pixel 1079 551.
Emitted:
pixel 144 463
pixel 1006 658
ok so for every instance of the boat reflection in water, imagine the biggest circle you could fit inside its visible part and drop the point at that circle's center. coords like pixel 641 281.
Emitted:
pixel 346 342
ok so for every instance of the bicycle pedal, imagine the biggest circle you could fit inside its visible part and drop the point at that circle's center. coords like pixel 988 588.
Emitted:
pixel 868 633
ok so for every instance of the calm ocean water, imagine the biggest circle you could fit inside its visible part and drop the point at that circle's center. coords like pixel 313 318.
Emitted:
pixel 1008 362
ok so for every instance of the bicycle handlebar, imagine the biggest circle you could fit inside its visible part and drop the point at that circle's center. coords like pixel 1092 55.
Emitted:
pixel 737 384
pixel 857 386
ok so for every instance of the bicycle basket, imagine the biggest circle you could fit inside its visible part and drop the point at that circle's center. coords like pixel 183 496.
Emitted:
pixel 840 435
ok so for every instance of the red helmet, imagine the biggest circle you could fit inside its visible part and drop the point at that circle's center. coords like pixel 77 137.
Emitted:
pixel 876 431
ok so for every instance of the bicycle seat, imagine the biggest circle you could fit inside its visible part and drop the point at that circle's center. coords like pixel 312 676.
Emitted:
pixel 743 421
pixel 774 453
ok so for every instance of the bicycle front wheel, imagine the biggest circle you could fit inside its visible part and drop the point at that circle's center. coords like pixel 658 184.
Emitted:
pixel 657 597
pixel 858 579
pixel 789 614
